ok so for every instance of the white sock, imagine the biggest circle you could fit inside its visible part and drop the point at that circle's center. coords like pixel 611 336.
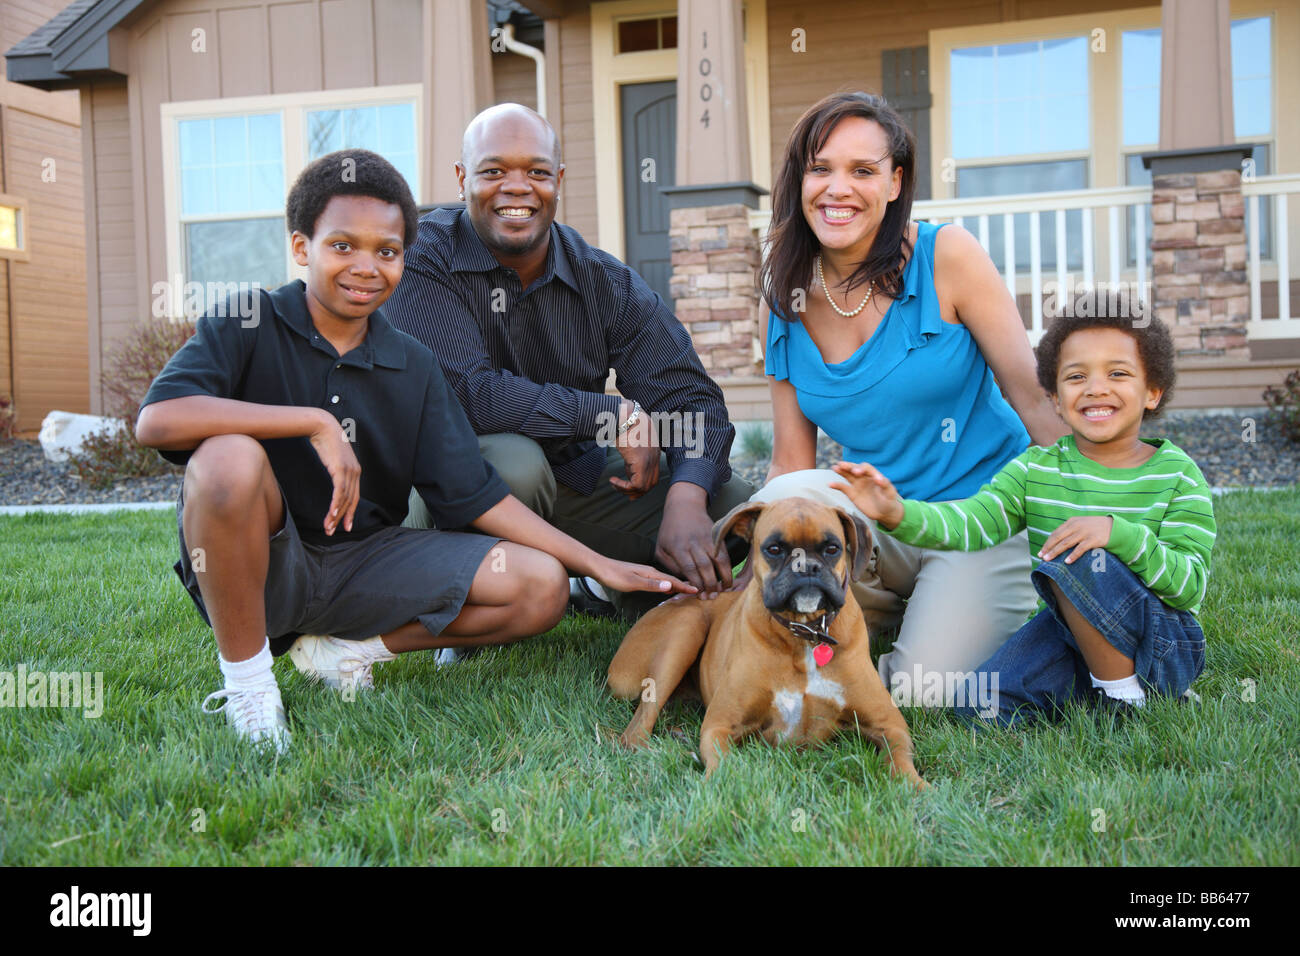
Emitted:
pixel 1126 688
pixel 245 675
pixel 376 650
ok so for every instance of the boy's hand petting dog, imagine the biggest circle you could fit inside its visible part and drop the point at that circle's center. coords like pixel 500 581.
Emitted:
pixel 1082 533
pixel 340 461
pixel 624 576
pixel 873 493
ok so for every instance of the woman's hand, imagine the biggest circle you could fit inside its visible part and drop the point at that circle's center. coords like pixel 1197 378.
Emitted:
pixel 1084 534
pixel 873 493
pixel 624 576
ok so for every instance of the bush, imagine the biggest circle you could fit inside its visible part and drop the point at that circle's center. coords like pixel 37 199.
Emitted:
pixel 756 441
pixel 110 456
pixel 1285 401
pixel 8 419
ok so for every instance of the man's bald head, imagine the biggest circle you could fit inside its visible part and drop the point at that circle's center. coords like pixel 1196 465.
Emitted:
pixel 509 120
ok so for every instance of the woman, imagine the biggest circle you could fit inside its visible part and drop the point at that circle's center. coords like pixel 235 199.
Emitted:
pixel 887 334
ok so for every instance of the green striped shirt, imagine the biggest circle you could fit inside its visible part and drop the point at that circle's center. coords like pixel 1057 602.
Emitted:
pixel 1163 525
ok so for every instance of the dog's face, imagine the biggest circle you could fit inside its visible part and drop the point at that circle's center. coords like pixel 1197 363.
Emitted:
pixel 803 553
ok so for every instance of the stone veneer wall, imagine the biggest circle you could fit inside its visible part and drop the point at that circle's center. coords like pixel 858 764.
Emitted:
pixel 1198 262
pixel 715 258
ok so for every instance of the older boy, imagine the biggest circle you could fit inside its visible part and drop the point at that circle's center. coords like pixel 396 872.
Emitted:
pixel 304 419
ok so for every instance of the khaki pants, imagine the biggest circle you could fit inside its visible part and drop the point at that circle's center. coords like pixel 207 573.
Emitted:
pixel 606 521
pixel 955 608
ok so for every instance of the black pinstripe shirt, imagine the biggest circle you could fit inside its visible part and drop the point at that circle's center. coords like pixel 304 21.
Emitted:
pixel 534 361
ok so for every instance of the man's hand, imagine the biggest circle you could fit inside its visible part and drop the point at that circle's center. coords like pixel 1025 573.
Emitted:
pixel 685 542
pixel 344 470
pixel 1083 534
pixel 624 576
pixel 639 447
pixel 873 493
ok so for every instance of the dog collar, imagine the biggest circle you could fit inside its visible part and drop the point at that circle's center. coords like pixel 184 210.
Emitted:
pixel 818 634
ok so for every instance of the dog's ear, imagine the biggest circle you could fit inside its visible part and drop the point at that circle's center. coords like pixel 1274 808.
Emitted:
pixel 857 539
pixel 740 520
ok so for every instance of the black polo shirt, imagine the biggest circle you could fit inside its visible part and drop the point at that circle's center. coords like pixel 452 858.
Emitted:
pixel 534 361
pixel 388 393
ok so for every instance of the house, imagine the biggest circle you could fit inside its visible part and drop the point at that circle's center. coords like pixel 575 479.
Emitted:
pixel 1069 136
pixel 44 352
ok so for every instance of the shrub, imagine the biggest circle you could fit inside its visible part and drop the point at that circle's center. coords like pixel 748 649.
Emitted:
pixel 756 441
pixel 110 456
pixel 8 419
pixel 1285 401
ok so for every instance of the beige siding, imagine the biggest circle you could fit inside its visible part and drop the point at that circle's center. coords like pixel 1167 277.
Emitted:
pixel 47 292
pixel 110 190
pixel 514 79
pixel 577 135
pixel 6 363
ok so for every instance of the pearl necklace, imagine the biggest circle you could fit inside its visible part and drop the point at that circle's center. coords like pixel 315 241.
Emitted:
pixel 827 291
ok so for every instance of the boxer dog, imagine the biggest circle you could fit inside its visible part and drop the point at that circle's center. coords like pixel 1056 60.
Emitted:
pixel 788 657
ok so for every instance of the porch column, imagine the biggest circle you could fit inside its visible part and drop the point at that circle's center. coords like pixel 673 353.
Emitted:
pixel 457 85
pixel 1198 239
pixel 714 252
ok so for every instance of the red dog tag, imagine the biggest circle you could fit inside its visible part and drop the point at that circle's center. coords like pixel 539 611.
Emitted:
pixel 822 654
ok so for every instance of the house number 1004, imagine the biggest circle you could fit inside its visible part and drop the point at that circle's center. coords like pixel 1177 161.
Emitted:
pixel 706 89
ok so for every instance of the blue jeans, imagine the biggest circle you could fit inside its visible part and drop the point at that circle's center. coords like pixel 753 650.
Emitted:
pixel 1040 668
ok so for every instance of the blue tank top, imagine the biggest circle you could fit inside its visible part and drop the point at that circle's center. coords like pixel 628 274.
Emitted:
pixel 917 400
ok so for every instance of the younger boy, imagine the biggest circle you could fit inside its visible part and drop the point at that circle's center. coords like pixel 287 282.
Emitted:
pixel 1123 529
pixel 304 419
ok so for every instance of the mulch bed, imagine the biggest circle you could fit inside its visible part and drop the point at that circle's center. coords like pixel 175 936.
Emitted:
pixel 1214 442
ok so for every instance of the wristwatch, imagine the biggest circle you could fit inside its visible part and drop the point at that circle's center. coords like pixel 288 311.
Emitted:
pixel 631 419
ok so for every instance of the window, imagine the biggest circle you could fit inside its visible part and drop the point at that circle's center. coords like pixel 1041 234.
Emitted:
pixel 12 226
pixel 651 33
pixel 232 162
pixel 1252 107
pixel 232 199
pixel 1022 99
pixel 388 130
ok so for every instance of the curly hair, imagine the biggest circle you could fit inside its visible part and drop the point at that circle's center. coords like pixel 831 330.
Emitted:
pixel 1154 344
pixel 792 246
pixel 368 174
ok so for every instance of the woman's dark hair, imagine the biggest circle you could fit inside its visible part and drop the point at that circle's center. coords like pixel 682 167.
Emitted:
pixel 349 172
pixel 1154 344
pixel 791 244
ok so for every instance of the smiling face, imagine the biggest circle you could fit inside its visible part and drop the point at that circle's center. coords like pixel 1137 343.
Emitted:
pixel 1102 391
pixel 510 176
pixel 354 257
pixel 847 186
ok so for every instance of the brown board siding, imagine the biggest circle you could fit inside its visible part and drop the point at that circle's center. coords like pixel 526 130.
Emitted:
pixel 577 135
pixel 111 217
pixel 47 293
pixel 514 79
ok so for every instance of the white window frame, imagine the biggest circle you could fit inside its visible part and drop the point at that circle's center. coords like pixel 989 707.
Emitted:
pixel 293 109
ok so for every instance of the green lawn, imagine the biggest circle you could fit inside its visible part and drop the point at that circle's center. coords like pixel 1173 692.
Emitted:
pixel 421 770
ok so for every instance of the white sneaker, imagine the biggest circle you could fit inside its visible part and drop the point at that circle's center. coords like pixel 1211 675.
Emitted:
pixel 450 655
pixel 343 665
pixel 257 714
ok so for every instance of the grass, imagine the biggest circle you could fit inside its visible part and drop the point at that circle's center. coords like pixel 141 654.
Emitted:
pixel 505 758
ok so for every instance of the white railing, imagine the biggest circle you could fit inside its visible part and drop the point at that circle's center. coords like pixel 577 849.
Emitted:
pixel 976 214
pixel 1257 193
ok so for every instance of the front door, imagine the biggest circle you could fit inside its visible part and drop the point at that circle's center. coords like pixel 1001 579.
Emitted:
pixel 649 119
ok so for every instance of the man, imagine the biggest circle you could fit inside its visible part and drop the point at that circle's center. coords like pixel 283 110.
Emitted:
pixel 527 320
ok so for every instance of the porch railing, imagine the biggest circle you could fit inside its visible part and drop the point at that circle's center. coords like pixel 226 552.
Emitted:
pixel 1260 193
pixel 1111 225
